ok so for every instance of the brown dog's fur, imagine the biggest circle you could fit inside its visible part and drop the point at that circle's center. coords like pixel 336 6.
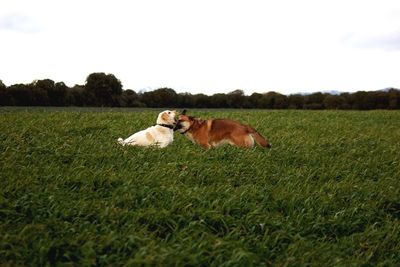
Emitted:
pixel 212 133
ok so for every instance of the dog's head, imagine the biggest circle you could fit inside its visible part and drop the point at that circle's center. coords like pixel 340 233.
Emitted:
pixel 167 117
pixel 184 122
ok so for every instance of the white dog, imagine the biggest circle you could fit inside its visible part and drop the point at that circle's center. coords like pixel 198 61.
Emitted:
pixel 159 135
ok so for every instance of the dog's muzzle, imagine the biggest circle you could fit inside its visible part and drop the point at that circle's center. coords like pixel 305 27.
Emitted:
pixel 177 126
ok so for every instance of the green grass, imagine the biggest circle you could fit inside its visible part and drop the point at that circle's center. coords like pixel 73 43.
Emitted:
pixel 326 194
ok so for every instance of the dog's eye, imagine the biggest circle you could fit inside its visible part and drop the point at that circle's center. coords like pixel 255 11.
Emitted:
pixel 169 112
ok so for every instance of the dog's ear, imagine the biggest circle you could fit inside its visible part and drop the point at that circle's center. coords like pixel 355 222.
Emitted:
pixel 183 112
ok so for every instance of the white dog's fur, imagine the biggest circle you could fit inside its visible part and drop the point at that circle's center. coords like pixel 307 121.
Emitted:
pixel 159 135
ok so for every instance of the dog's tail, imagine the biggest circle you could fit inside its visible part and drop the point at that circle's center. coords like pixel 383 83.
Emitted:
pixel 121 141
pixel 258 138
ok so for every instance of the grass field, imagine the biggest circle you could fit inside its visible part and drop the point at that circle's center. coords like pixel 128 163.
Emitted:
pixel 326 194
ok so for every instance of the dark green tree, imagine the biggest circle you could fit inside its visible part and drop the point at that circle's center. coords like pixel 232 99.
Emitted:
pixel 314 101
pixel 41 89
pixel 236 99
pixel 380 100
pixel 5 99
pixel 333 102
pixel 58 94
pixel 361 100
pixel 2 85
pixel 219 101
pixel 78 96
pixel 22 95
pixel 130 98
pixel 255 100
pixel 296 101
pixel 53 93
pixel 201 101
pixel 347 100
pixel 186 100
pixel 394 99
pixel 163 97
pixel 105 88
pixel 274 100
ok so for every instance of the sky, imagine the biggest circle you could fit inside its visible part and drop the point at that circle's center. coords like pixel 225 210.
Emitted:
pixel 207 46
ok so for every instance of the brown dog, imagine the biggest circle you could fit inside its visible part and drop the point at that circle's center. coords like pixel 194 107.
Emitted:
pixel 215 132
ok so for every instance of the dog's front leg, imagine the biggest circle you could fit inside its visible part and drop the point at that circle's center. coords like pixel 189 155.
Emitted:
pixel 205 145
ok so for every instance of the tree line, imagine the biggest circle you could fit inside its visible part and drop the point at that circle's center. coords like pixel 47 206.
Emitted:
pixel 102 89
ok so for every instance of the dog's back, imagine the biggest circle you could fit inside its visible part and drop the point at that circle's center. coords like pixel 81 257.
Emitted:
pixel 238 133
pixel 152 136
pixel 160 135
pixel 215 132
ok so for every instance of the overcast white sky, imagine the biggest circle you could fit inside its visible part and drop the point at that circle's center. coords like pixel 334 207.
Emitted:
pixel 207 46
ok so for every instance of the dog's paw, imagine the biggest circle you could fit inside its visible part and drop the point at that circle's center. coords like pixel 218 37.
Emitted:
pixel 121 141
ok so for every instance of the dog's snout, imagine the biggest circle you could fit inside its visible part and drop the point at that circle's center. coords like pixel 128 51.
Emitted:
pixel 178 126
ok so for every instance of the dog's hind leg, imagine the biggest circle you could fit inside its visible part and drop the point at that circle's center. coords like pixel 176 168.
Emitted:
pixel 244 141
pixel 128 141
